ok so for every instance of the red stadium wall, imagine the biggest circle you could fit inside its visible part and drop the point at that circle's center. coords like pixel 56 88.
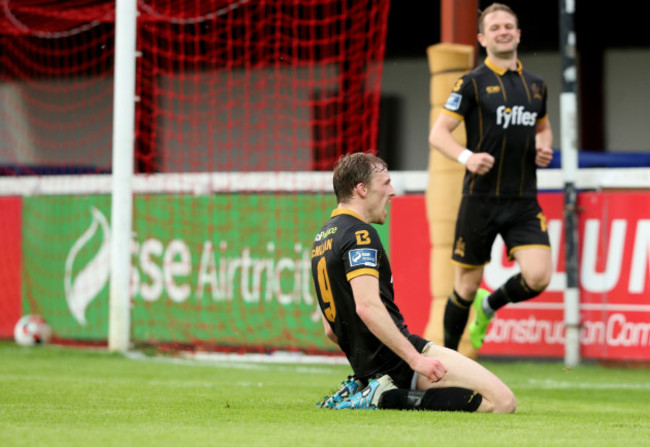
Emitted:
pixel 614 256
pixel 409 257
pixel 10 264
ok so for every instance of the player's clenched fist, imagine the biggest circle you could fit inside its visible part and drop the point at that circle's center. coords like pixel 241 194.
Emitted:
pixel 480 163
pixel 543 156
pixel 430 368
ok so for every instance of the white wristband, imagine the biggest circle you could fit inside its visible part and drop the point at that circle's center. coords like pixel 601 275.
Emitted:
pixel 464 156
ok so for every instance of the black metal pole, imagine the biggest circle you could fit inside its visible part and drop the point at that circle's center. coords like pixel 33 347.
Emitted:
pixel 568 117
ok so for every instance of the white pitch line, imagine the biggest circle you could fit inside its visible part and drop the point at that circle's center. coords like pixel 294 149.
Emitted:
pixel 556 385
pixel 275 357
pixel 264 362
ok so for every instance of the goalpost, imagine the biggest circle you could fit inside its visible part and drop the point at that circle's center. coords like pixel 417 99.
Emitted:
pixel 121 205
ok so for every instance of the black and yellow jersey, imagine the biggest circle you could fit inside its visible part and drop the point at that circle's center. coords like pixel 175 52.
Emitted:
pixel 347 247
pixel 501 109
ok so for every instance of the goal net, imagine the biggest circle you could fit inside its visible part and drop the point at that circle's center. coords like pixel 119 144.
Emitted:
pixel 239 104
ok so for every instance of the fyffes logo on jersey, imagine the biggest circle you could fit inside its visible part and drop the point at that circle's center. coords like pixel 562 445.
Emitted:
pixel 515 116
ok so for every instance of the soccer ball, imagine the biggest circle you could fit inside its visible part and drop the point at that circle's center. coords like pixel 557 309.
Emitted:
pixel 32 330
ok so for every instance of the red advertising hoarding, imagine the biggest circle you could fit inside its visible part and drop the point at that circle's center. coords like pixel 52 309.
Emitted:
pixel 614 277
pixel 409 259
pixel 10 264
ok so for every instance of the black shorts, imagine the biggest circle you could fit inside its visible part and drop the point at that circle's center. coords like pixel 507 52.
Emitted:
pixel 519 221
pixel 402 374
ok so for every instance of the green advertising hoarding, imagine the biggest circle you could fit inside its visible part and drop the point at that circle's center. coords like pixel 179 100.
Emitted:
pixel 230 270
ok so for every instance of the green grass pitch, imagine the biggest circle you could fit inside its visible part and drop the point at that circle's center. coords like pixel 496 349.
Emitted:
pixel 53 396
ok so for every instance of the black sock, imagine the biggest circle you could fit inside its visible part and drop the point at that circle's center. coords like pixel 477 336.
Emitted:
pixel 443 399
pixel 455 319
pixel 514 290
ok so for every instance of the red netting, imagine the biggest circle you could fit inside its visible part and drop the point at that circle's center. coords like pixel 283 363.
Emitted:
pixel 223 87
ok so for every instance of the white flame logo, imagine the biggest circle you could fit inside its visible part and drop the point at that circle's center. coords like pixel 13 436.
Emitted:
pixel 80 292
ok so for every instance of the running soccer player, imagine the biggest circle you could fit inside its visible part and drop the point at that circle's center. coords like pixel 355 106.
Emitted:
pixel 508 137
pixel 354 285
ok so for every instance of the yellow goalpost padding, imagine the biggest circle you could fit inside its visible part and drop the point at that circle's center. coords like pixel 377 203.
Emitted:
pixel 447 62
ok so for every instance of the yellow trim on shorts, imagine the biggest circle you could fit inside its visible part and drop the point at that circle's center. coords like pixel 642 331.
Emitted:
pixel 522 247
pixel 362 272
pixel 469 266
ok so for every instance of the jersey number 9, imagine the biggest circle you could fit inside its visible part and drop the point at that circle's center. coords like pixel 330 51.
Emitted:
pixel 326 290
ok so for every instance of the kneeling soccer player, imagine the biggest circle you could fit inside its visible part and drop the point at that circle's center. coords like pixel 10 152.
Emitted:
pixel 392 367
